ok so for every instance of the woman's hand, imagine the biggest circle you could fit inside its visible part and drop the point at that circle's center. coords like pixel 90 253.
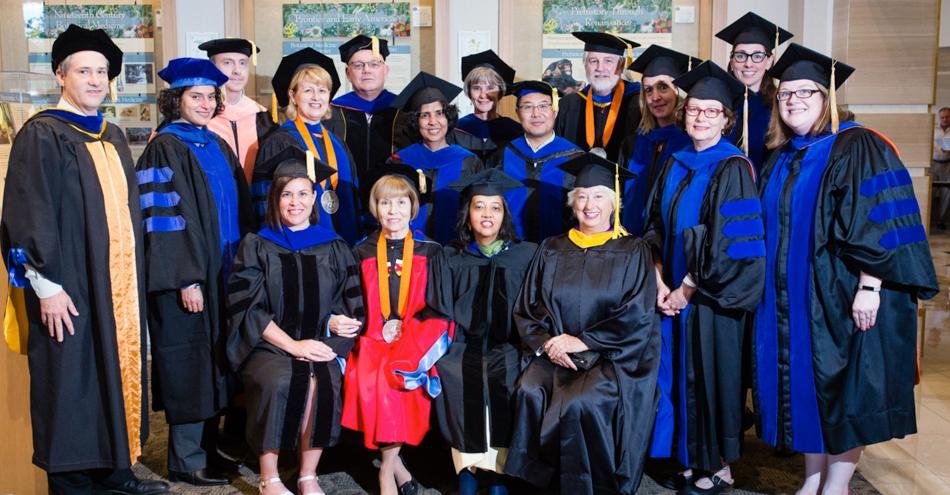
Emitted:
pixel 679 298
pixel 662 292
pixel 558 348
pixel 192 299
pixel 866 303
pixel 312 350
pixel 344 326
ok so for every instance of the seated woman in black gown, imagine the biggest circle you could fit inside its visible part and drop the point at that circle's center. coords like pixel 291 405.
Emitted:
pixel 293 283
pixel 487 265
pixel 585 403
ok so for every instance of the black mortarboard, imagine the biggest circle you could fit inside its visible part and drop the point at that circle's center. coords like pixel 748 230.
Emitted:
pixel 76 39
pixel 799 62
pixel 754 29
pixel 395 166
pixel 291 64
pixel 658 60
pixel 708 81
pixel 606 43
pixel 186 72
pixel 293 162
pixel 522 88
pixel 490 59
pixel 229 45
pixel 379 46
pixel 590 169
pixel 422 89
pixel 488 182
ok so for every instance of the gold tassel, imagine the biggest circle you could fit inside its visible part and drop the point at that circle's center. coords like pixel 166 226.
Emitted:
pixel 745 121
pixel 618 230
pixel 311 170
pixel 423 187
pixel 113 91
pixel 375 46
pixel 273 107
pixel 628 55
pixel 833 101
pixel 253 54
pixel 554 99
pixel 3 122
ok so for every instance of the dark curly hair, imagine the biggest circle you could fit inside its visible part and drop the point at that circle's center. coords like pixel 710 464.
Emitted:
pixel 451 114
pixel 507 232
pixel 169 103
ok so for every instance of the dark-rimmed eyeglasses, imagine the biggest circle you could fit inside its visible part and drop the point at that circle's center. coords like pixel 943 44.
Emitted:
pixel 757 57
pixel 801 94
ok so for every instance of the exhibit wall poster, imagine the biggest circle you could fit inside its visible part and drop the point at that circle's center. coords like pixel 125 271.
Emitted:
pixel 131 25
pixel 326 26
pixel 643 21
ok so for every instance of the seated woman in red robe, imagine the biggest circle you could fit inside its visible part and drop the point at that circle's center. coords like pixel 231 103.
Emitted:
pixel 390 378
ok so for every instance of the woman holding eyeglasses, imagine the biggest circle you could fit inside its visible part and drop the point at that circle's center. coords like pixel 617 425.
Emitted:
pixel 753 40
pixel 704 226
pixel 658 136
pixel 847 260
pixel 486 78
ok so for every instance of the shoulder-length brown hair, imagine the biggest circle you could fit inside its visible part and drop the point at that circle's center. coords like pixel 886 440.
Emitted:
pixel 728 112
pixel 780 134
pixel 272 215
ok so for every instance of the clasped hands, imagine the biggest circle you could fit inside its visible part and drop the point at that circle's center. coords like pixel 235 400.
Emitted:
pixel 557 348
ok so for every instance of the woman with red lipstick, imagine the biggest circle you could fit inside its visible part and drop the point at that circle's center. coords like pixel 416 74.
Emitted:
pixel 705 227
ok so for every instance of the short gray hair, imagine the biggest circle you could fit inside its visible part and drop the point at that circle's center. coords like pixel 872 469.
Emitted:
pixel 63 66
pixel 573 193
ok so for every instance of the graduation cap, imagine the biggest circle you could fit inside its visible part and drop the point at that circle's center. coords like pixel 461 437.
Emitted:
pixel 591 169
pixel 422 89
pixel 488 182
pixel 231 45
pixel 293 63
pixel 297 163
pixel 394 165
pixel 186 71
pixel 76 39
pixel 799 62
pixel 659 61
pixel 708 81
pixel 490 59
pixel 754 29
pixel 607 43
pixel 522 88
pixel 380 47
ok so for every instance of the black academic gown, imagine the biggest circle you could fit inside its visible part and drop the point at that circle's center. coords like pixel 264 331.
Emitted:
pixel 571 121
pixel 189 367
pixel 587 432
pixel 484 360
pixel 298 289
pixel 54 213
pixel 371 143
pixel 834 206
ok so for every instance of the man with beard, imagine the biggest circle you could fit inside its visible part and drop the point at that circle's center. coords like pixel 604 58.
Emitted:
pixel 600 115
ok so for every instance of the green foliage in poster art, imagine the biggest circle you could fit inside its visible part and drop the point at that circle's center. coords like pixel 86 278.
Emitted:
pixel 615 16
pixel 345 20
pixel 119 21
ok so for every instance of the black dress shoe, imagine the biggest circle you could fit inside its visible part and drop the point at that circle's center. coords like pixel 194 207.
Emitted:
pixel 411 487
pixel 719 485
pixel 201 477
pixel 676 482
pixel 133 486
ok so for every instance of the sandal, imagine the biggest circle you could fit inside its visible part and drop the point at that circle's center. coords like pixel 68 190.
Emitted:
pixel 309 477
pixel 269 481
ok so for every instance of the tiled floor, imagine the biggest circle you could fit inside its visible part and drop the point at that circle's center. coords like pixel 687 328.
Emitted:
pixel 920 464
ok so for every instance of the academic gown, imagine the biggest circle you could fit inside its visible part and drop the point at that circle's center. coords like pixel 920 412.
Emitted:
pixel 644 155
pixel 760 114
pixel 704 219
pixel 243 126
pixel 534 206
pixel 195 208
pixel 587 431
pixel 836 205
pixel 572 125
pixel 372 130
pixel 297 280
pixel 389 387
pixel 484 137
pixel 71 212
pixel 443 167
pixel 484 360
pixel 346 221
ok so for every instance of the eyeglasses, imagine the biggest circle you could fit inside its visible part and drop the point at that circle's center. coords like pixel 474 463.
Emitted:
pixel 542 108
pixel 709 113
pixel 757 57
pixel 359 66
pixel 801 94
pixel 661 88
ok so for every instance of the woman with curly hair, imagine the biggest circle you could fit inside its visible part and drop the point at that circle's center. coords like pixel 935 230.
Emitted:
pixel 195 209
pixel 431 118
